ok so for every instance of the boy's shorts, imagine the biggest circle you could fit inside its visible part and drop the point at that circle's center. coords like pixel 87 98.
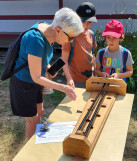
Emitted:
pixel 80 84
pixel 24 97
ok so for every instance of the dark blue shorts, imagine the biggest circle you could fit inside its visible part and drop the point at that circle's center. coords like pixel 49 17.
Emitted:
pixel 24 97
pixel 80 84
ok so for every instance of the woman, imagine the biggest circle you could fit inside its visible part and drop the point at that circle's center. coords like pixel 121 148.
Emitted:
pixel 36 49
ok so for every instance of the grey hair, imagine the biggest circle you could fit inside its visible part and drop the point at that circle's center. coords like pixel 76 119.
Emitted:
pixel 68 21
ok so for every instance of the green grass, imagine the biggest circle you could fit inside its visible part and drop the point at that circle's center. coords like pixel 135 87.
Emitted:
pixel 130 43
pixel 53 99
pixel 134 108
pixel 1 66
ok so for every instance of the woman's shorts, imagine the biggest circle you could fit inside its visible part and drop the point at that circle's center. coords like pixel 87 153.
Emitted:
pixel 24 97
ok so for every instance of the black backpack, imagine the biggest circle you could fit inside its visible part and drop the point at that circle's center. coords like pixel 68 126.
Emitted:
pixel 11 56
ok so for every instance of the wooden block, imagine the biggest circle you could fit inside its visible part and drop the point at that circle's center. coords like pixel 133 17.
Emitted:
pixel 116 85
pixel 77 143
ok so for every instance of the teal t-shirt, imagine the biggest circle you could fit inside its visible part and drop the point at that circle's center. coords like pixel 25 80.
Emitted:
pixel 33 43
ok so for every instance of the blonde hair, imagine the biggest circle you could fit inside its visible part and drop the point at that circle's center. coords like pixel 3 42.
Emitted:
pixel 68 21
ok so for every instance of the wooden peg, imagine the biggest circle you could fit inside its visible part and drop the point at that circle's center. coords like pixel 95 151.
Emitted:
pixel 79 111
pixel 79 132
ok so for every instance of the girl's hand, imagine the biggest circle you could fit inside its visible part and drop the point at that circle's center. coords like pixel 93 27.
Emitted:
pixel 115 75
pixel 105 74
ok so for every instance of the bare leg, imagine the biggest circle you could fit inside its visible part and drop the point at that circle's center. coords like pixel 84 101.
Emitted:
pixel 30 126
pixel 31 122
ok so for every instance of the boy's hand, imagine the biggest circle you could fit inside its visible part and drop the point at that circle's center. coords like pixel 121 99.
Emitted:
pixel 93 62
pixel 71 83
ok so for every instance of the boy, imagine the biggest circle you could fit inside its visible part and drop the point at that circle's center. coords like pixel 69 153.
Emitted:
pixel 78 70
pixel 114 60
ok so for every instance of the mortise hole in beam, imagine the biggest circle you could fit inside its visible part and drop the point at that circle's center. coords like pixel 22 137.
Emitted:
pixel 97 115
pixel 103 106
pixel 89 109
pixel 110 85
pixel 108 97
pixel 114 85
pixel 79 111
pixel 87 120
pixel 91 127
pixel 97 83
pixel 92 100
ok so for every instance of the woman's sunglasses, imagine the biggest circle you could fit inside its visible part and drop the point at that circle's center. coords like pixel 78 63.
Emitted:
pixel 70 38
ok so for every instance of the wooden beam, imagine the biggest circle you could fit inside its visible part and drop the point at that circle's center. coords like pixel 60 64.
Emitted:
pixel 116 85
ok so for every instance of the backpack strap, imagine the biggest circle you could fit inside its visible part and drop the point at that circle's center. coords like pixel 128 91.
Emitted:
pixel 33 28
pixel 124 56
pixel 71 50
pixel 101 53
pixel 19 68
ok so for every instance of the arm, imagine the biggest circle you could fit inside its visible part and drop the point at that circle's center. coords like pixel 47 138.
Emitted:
pixel 93 58
pixel 65 57
pixel 98 71
pixel 93 62
pixel 95 43
pixel 35 71
pixel 128 73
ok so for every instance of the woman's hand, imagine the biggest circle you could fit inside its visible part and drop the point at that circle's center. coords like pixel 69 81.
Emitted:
pixel 48 74
pixel 69 91
pixel 53 76
pixel 71 83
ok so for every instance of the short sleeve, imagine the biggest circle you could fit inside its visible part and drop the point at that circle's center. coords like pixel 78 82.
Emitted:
pixel 34 43
pixel 97 58
pixel 129 59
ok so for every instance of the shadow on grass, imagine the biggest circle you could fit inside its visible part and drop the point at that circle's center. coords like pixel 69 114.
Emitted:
pixel 16 137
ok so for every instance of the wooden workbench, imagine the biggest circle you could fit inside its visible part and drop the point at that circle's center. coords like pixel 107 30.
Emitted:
pixel 111 143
